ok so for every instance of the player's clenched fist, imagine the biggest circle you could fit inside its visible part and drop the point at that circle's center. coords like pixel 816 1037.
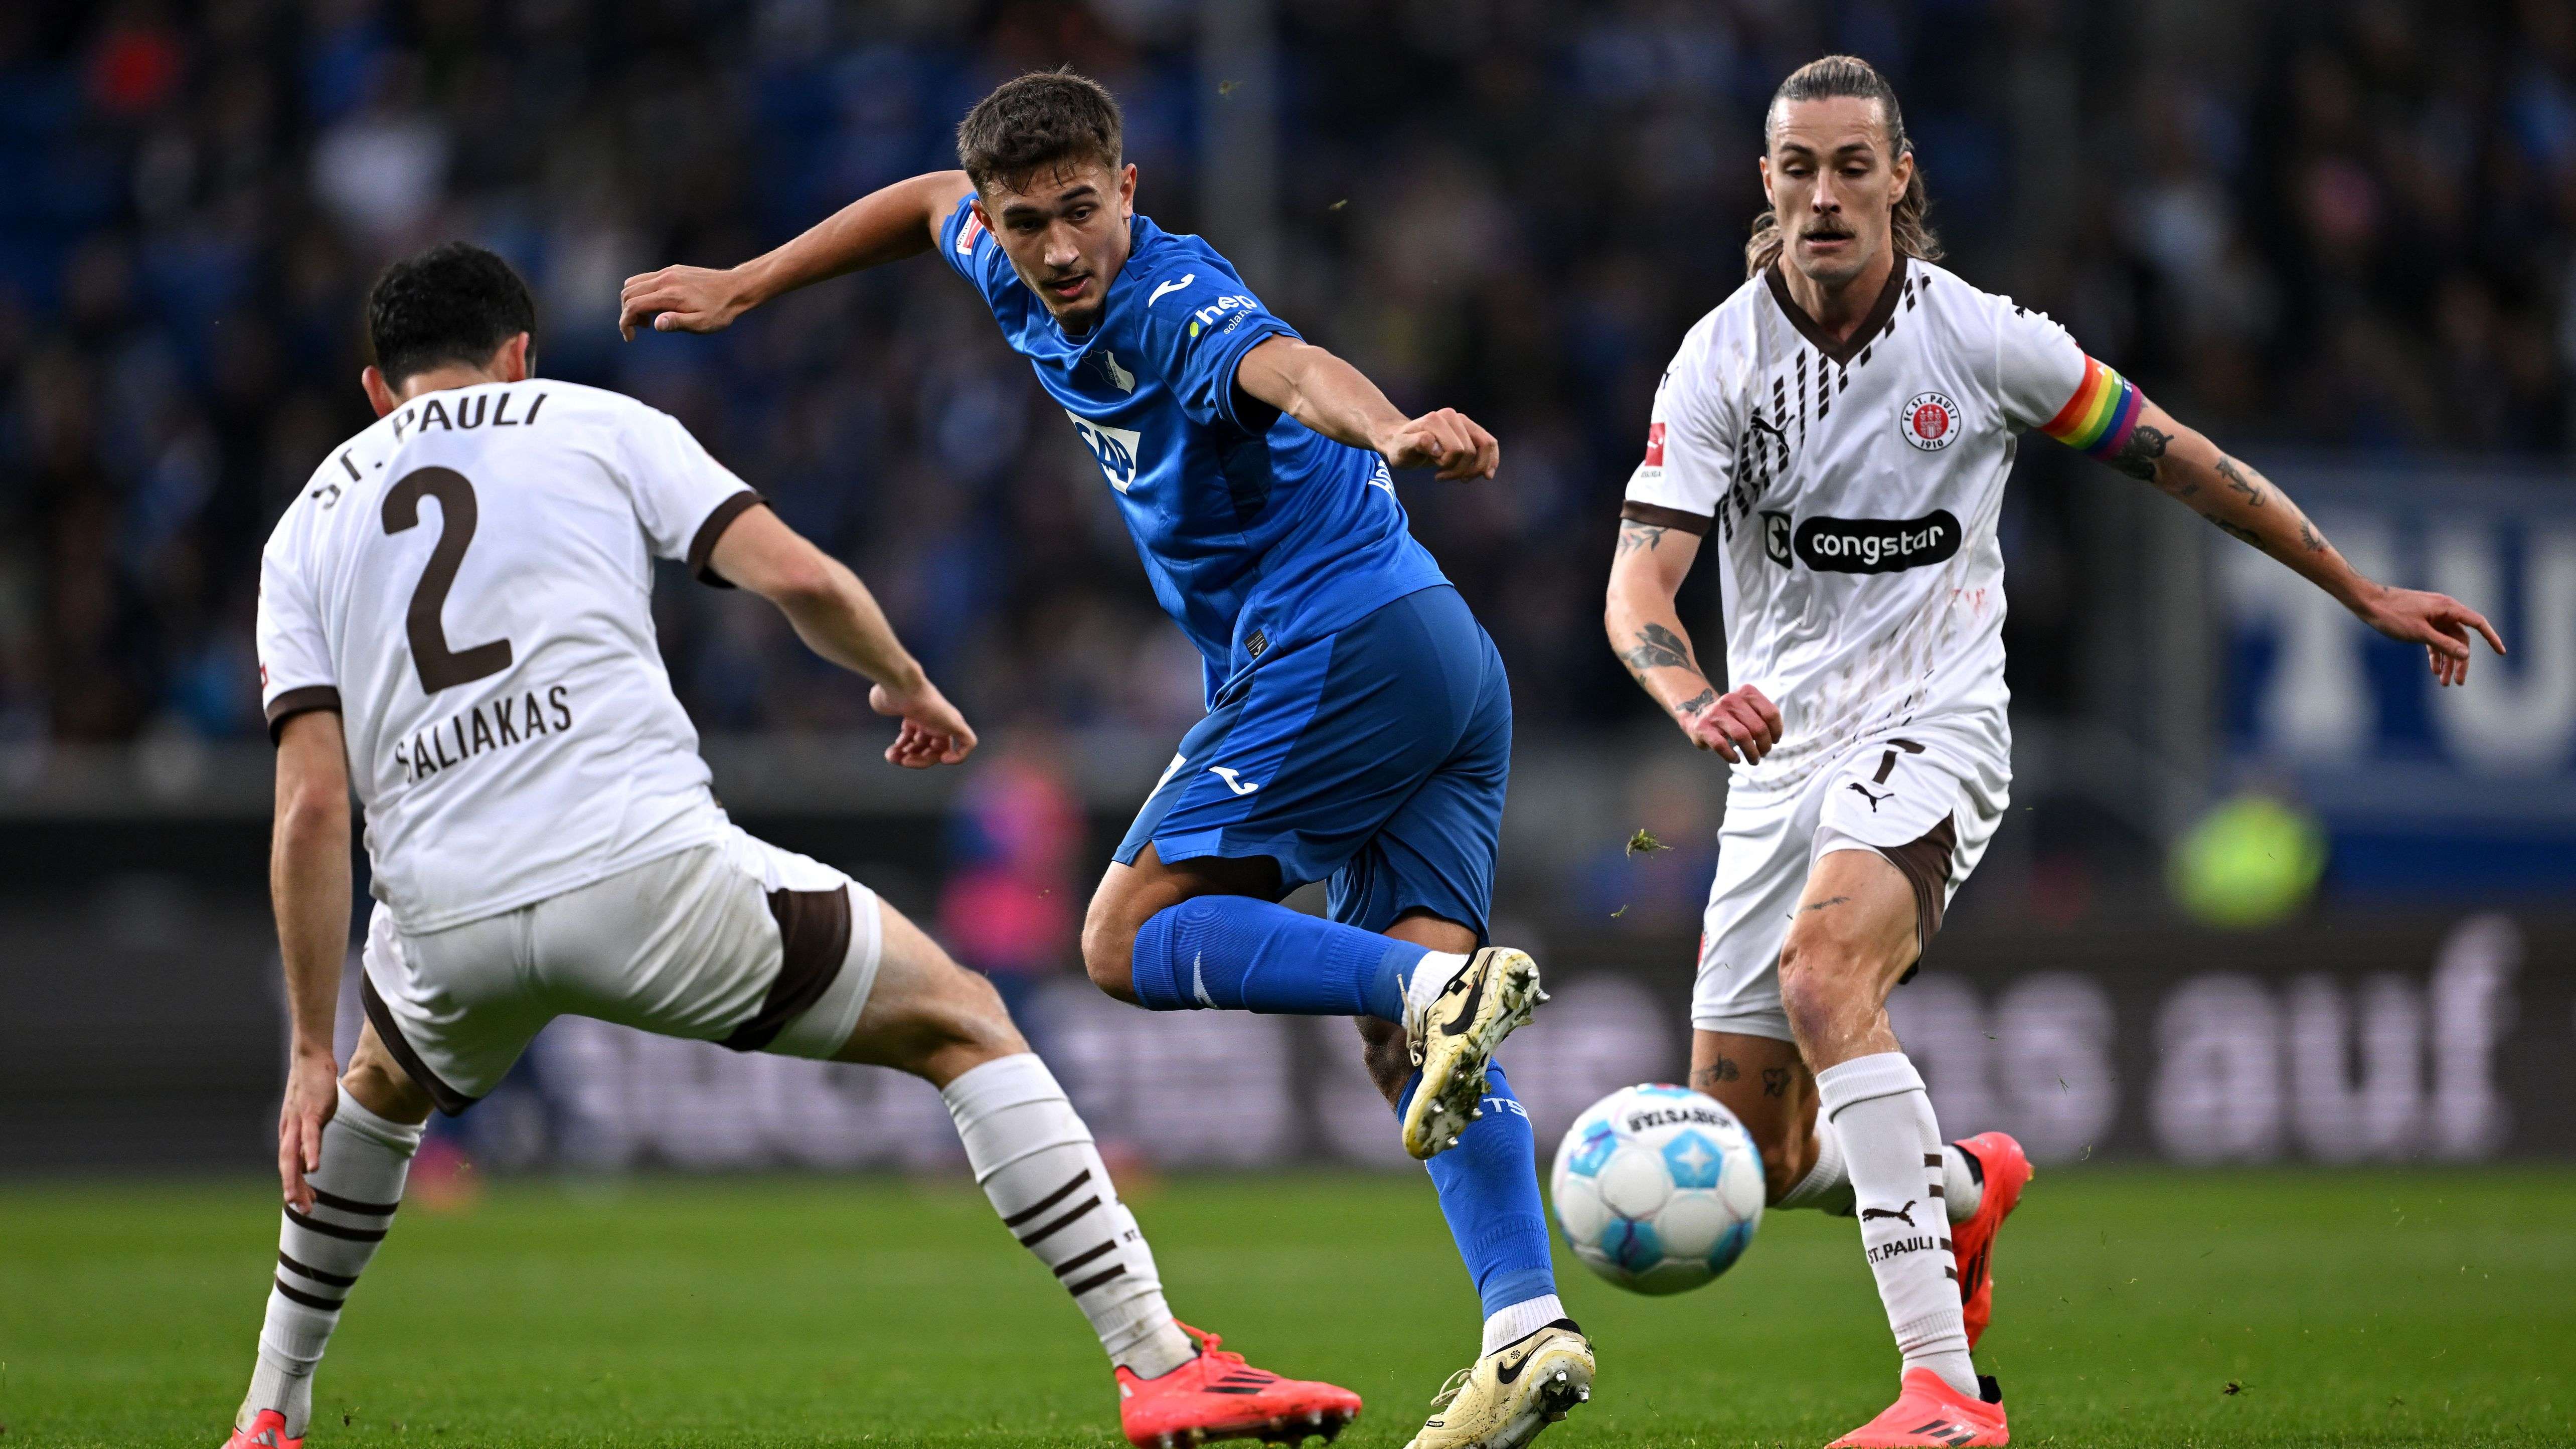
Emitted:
pixel 1448 440
pixel 681 299
pixel 1739 724
pixel 933 732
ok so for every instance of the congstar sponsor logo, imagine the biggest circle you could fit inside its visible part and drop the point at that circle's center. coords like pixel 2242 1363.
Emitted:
pixel 1876 545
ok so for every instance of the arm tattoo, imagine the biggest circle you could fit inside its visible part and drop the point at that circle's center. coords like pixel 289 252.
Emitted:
pixel 1721 1070
pixel 1696 703
pixel 1657 648
pixel 1820 905
pixel 2308 535
pixel 2234 530
pixel 2141 455
pixel 1635 536
pixel 2237 482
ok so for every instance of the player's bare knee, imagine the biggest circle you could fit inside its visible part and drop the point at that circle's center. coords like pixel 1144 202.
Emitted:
pixel 379 1084
pixel 1825 985
pixel 958 1025
pixel 1109 951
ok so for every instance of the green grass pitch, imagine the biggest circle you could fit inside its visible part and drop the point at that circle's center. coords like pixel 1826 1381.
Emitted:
pixel 2343 1308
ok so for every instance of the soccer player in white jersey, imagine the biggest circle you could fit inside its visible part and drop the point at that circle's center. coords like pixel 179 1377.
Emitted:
pixel 1838 432
pixel 455 620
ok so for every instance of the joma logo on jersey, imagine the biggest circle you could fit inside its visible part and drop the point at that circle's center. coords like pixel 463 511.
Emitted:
pixel 1115 448
pixel 1876 545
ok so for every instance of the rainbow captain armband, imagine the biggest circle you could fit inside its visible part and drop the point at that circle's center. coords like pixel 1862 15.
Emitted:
pixel 2101 415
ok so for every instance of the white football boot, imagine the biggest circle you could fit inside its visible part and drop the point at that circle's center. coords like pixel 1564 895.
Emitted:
pixel 1454 1036
pixel 1503 1400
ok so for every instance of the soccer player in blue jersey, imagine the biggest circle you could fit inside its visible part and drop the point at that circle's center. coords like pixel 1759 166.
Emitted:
pixel 1359 723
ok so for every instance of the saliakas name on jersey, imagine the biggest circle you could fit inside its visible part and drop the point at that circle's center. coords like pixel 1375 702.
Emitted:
pixel 494 724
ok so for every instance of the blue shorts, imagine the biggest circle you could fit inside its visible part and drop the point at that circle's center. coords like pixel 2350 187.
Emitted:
pixel 1374 758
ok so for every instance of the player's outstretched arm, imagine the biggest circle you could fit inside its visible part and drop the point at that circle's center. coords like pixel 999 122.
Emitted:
pixel 1337 400
pixel 308 883
pixel 1646 633
pixel 885 225
pixel 2190 468
pixel 839 619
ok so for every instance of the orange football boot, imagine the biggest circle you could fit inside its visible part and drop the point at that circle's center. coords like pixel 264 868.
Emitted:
pixel 2007 1170
pixel 267 1431
pixel 1218 1396
pixel 1930 1412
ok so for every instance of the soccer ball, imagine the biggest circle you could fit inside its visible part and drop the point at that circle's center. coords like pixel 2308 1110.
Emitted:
pixel 1658 1188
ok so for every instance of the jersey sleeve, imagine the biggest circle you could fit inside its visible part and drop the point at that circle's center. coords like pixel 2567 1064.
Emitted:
pixel 2047 382
pixel 684 498
pixel 1689 457
pixel 970 250
pixel 1199 320
pixel 295 669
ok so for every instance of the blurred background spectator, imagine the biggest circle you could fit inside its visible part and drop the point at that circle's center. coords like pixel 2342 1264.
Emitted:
pixel 2344 225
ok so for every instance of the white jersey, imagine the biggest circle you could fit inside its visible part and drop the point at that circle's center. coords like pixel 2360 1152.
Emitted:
pixel 469 583
pixel 1853 490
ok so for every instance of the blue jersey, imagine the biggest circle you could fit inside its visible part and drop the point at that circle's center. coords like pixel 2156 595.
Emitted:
pixel 1257 532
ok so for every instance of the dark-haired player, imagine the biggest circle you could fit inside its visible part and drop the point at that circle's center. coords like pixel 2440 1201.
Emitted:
pixel 455 619
pixel 1841 428
pixel 1359 723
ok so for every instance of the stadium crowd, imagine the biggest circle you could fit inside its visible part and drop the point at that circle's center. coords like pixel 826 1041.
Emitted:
pixel 2350 226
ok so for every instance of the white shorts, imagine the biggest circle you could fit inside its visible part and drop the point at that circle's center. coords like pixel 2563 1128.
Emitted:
pixel 1928 807
pixel 736 941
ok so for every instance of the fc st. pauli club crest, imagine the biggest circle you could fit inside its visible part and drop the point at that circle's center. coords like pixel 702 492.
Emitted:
pixel 1929 421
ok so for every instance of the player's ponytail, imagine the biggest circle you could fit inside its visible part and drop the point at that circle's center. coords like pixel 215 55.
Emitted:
pixel 1847 75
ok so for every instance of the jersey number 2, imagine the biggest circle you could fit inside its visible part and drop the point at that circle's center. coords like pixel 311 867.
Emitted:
pixel 440 666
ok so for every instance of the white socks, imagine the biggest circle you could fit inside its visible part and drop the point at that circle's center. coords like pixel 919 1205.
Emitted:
pixel 1035 1162
pixel 1430 977
pixel 1827 1186
pixel 1519 1321
pixel 1892 1150
pixel 320 1255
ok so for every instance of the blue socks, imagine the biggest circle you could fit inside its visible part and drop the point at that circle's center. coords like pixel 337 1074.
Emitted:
pixel 1488 1187
pixel 1237 953
pixel 1242 954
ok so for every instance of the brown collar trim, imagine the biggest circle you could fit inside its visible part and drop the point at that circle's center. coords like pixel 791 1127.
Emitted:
pixel 1870 326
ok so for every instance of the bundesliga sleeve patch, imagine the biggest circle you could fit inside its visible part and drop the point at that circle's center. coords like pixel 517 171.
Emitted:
pixel 2101 415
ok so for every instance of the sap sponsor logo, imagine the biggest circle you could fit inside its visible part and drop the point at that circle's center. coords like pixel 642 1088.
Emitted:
pixel 1876 545
pixel 1929 420
pixel 1116 449
pixel 1223 313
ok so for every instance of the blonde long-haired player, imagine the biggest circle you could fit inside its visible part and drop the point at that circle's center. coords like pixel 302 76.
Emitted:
pixel 1838 432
